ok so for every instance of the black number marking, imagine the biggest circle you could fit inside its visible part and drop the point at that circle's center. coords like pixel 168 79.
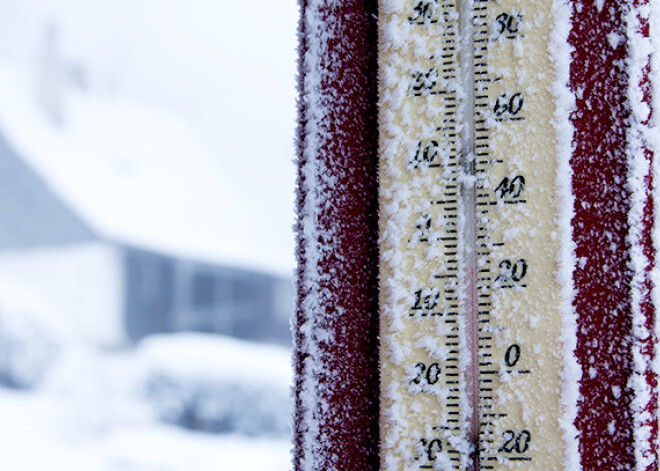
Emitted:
pixel 508 25
pixel 429 374
pixel 425 154
pixel 422 229
pixel 424 11
pixel 420 374
pixel 518 443
pixel 426 299
pixel 509 107
pixel 512 355
pixel 511 273
pixel 510 189
pixel 509 441
pixel 431 448
pixel 423 83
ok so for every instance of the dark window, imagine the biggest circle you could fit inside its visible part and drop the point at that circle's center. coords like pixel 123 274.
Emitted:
pixel 204 290
pixel 149 279
pixel 245 290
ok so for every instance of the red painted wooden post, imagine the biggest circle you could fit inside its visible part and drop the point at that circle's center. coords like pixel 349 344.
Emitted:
pixel 605 277
pixel 336 336
pixel 600 226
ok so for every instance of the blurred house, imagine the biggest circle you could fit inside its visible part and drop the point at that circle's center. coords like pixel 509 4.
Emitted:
pixel 116 216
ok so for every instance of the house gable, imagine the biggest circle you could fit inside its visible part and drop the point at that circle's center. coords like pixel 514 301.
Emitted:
pixel 30 213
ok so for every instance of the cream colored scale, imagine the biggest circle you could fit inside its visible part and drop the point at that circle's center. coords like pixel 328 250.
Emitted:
pixel 470 324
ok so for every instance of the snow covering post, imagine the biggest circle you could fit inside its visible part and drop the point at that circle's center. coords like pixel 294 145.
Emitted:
pixel 612 225
pixel 641 145
pixel 336 337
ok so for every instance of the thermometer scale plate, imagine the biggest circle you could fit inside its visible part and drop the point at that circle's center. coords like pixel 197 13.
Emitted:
pixel 471 351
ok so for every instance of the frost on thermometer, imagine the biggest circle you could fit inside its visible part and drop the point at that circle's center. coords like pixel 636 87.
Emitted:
pixel 512 259
pixel 471 318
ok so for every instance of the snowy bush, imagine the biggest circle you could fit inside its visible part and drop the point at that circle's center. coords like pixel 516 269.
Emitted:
pixel 27 345
pixel 219 385
pixel 26 350
pixel 216 406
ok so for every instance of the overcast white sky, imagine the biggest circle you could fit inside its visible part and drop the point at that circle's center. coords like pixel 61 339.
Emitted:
pixel 227 66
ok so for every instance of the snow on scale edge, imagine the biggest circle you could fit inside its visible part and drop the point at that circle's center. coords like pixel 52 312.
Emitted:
pixel 560 51
pixel 654 25
pixel 642 144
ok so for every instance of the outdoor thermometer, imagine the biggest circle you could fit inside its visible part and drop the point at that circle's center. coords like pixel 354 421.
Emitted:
pixel 470 320
pixel 476 236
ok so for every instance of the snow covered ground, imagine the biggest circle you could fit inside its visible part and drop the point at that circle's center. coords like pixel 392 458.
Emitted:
pixel 95 410
pixel 37 434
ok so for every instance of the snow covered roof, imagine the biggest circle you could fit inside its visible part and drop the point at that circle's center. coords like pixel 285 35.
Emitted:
pixel 134 173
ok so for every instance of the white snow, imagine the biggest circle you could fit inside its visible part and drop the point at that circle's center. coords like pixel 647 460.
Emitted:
pixel 642 137
pixel 32 438
pixel 565 101
pixel 234 359
pixel 654 20
pixel 310 395
pixel 93 413
pixel 81 286
pixel 29 339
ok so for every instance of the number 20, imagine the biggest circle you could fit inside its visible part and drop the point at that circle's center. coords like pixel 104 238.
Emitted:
pixel 518 443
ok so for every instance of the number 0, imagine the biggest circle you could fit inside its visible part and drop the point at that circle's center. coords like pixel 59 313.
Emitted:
pixel 512 355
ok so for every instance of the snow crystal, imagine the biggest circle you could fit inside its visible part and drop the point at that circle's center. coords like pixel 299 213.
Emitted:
pixel 615 39
pixel 599 4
